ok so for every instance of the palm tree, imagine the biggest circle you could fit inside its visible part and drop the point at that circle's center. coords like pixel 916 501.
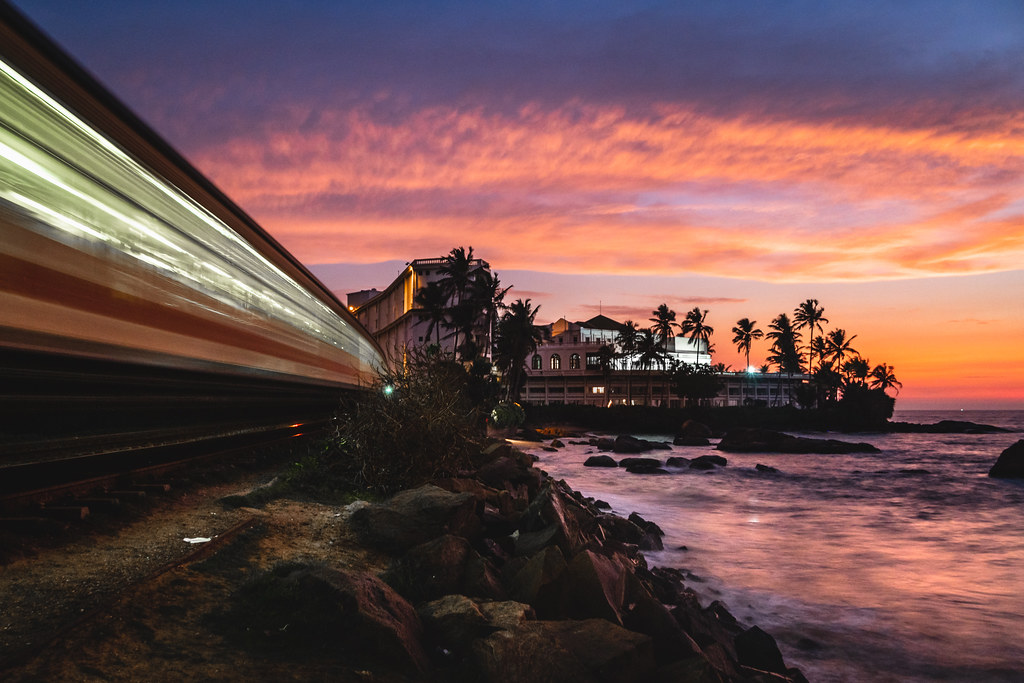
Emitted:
pixel 882 377
pixel 837 347
pixel 516 337
pixel 434 303
pixel 626 340
pixel 664 322
pixel 694 325
pixel 649 351
pixel 809 315
pixel 487 296
pixel 856 370
pixel 784 351
pixel 744 334
pixel 457 272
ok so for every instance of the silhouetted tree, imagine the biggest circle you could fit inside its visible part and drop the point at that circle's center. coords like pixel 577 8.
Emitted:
pixel 695 325
pixel 516 337
pixel 882 377
pixel 809 315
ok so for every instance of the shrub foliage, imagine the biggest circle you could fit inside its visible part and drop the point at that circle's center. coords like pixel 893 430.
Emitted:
pixel 417 422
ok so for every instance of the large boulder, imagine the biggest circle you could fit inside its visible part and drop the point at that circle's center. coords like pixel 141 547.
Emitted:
pixel 627 531
pixel 555 651
pixel 1010 464
pixel 453 622
pixel 354 615
pixel 692 428
pixel 432 569
pixel 537 581
pixel 708 462
pixel 600 461
pixel 683 440
pixel 554 506
pixel 593 586
pixel 758 650
pixel 946 427
pixel 416 516
pixel 753 440
pixel 631 444
pixel 639 463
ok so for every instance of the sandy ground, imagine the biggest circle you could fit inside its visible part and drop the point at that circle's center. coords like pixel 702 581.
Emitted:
pixel 66 614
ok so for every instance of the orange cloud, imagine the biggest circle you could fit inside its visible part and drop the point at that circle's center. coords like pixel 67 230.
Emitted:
pixel 585 189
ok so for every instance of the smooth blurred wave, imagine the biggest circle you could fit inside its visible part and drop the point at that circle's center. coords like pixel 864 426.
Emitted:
pixel 903 565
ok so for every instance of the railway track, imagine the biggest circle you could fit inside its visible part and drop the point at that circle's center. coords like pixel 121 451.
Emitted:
pixel 65 479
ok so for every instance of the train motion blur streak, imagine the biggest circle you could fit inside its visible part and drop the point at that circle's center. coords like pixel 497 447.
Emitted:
pixel 114 248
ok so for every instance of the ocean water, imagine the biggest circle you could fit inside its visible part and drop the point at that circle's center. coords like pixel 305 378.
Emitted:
pixel 903 565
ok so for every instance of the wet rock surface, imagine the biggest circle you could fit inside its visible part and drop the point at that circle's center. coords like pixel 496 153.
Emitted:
pixel 1010 464
pixel 769 441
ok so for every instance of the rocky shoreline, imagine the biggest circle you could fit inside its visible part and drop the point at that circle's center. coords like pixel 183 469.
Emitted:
pixel 508 575
pixel 498 574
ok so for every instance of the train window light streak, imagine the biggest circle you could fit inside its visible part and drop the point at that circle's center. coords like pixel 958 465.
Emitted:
pixel 156 213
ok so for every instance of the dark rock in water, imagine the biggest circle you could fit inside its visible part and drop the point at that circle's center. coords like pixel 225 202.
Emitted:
pixel 631 444
pixel 707 462
pixel 602 504
pixel 1010 464
pixel 556 443
pixel 415 516
pixel 649 527
pixel 758 650
pixel 693 428
pixel 639 462
pixel 554 508
pixel 627 531
pixel 645 469
pixel 765 468
pixel 677 461
pixel 915 471
pixel 690 441
pixel 549 449
pixel 660 446
pixel 945 427
pixel 605 443
pixel 750 440
pixel 600 461
pixel 529 435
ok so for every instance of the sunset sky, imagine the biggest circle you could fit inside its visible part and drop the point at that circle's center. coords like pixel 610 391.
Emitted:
pixel 611 156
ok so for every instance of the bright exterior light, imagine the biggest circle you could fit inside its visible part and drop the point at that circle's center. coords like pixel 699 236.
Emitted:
pixel 752 370
pixel 388 390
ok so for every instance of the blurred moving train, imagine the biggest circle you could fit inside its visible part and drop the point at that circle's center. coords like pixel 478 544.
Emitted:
pixel 129 284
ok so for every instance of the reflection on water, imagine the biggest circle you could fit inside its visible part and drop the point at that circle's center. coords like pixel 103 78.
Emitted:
pixel 904 565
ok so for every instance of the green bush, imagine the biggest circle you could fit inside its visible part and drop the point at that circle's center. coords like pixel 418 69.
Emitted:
pixel 507 414
pixel 414 424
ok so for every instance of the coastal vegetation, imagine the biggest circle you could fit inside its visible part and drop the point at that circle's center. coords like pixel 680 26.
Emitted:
pixel 825 371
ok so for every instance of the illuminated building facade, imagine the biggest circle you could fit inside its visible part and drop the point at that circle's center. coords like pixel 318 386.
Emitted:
pixel 398 323
pixel 571 368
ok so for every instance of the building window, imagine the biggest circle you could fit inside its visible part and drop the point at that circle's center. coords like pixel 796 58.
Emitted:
pixel 597 390
pixel 593 361
pixel 574 361
pixel 556 362
pixel 536 364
